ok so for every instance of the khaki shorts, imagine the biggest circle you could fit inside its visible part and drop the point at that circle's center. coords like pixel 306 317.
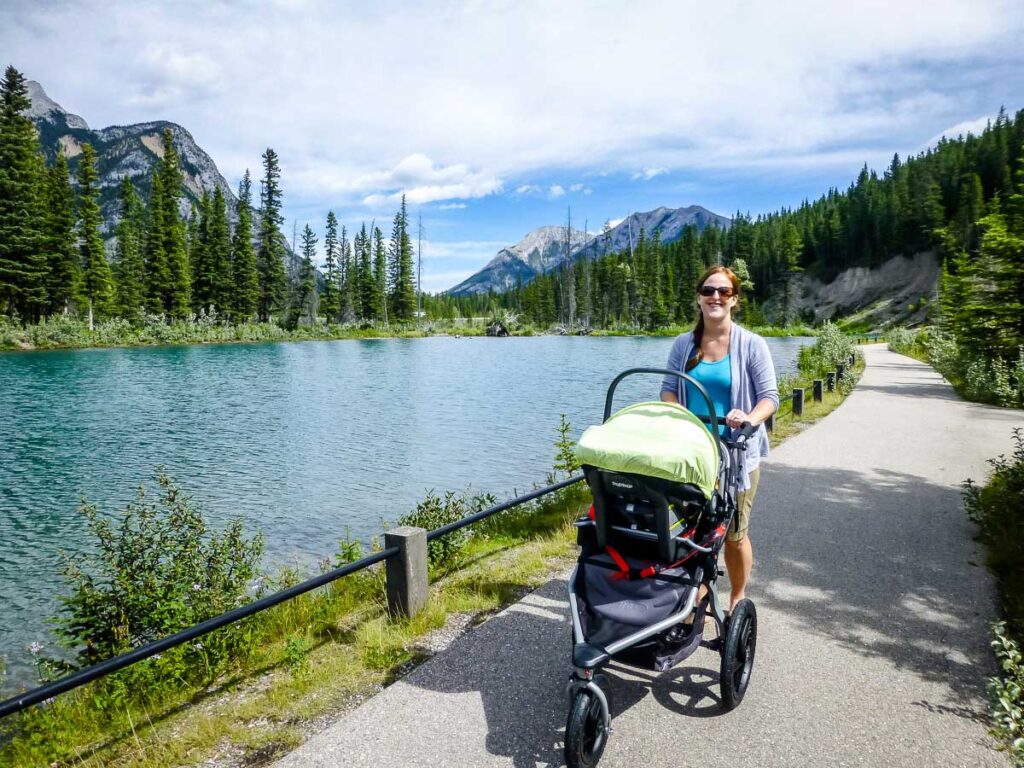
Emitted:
pixel 744 503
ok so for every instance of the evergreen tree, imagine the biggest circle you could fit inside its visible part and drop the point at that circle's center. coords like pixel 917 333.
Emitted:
pixel 245 280
pixel 304 301
pixel 273 280
pixel 402 279
pixel 129 267
pixel 218 254
pixel 158 275
pixel 348 272
pixel 330 306
pixel 23 263
pixel 380 276
pixel 177 290
pixel 199 255
pixel 96 278
pixel 63 274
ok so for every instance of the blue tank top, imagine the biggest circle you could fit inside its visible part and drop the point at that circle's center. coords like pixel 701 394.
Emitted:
pixel 716 378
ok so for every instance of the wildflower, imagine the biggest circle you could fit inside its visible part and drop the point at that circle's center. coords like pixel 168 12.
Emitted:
pixel 35 648
pixel 196 586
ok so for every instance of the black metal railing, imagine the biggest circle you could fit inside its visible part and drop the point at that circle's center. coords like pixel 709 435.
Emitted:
pixel 87 675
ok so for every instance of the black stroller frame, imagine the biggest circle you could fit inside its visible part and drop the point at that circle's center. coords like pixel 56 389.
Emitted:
pixel 680 560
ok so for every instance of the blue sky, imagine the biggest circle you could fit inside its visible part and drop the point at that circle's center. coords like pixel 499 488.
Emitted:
pixel 496 116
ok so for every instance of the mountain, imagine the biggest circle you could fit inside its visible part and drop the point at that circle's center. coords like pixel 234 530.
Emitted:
pixel 538 252
pixel 667 222
pixel 132 151
pixel 544 248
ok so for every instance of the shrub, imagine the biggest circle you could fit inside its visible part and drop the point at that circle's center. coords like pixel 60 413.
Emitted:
pixel 1007 694
pixel 157 570
pixel 997 510
pixel 434 512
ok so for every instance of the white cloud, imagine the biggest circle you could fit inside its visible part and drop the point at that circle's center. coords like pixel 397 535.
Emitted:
pixel 975 126
pixel 362 102
pixel 649 173
pixel 555 191
pixel 451 207
pixel 526 189
pixel 612 223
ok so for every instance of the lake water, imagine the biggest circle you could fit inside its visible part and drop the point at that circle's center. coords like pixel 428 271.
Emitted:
pixel 302 440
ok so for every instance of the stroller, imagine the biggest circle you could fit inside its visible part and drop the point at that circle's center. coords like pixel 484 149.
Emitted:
pixel 664 489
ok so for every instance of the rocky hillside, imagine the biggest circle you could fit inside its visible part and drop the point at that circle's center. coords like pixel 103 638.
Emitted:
pixel 127 150
pixel 130 150
pixel 901 291
pixel 544 248
pixel 535 254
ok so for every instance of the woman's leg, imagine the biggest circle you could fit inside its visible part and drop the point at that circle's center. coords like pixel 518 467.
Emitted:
pixel 739 560
pixel 739 554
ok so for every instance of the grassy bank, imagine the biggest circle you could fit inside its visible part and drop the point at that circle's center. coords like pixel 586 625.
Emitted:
pixel 72 333
pixel 307 659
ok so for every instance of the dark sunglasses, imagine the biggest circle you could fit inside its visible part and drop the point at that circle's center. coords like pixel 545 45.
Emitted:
pixel 710 290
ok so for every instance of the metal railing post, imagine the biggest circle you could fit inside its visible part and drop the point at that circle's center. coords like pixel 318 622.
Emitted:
pixel 817 384
pixel 840 370
pixel 798 401
pixel 830 381
pixel 406 572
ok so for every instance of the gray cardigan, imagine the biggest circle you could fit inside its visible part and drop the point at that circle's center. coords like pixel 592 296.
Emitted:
pixel 753 380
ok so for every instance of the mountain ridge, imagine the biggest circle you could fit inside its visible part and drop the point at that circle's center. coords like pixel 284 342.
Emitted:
pixel 509 266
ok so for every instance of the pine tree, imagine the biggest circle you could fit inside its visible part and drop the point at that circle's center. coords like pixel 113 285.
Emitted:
pixel 23 263
pixel 243 259
pixel 96 278
pixel 304 304
pixel 199 255
pixel 369 308
pixel 218 253
pixel 348 276
pixel 63 274
pixel 158 276
pixel 380 276
pixel 273 280
pixel 176 292
pixel 129 268
pixel 330 302
pixel 402 279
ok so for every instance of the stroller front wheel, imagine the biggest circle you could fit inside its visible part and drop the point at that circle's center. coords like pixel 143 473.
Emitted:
pixel 738 653
pixel 585 731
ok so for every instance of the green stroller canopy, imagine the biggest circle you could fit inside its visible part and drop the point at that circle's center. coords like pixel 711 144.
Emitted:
pixel 655 439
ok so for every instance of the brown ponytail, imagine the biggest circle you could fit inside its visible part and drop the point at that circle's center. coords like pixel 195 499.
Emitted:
pixel 698 330
pixel 698 336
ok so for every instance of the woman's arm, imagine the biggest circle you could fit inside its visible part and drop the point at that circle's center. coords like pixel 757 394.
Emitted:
pixel 761 370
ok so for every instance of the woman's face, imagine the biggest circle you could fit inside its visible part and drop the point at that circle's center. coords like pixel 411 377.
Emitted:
pixel 719 304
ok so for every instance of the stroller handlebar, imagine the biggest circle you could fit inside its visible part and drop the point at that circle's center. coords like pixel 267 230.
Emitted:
pixel 712 419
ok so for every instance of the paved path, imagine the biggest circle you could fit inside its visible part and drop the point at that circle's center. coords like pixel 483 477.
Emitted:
pixel 873 605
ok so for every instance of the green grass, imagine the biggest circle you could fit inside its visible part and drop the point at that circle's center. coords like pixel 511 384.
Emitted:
pixel 318 654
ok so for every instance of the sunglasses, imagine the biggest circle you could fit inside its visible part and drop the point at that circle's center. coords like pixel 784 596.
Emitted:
pixel 724 291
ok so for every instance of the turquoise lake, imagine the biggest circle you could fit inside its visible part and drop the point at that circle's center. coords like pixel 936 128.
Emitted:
pixel 302 440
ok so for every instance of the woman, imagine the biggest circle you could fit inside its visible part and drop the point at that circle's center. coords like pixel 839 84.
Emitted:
pixel 736 369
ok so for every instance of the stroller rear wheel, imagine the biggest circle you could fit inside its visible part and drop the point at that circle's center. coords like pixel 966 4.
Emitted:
pixel 738 653
pixel 585 732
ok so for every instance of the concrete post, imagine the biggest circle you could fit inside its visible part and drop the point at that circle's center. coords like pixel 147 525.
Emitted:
pixel 817 390
pixel 798 402
pixel 830 381
pixel 406 572
pixel 840 369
